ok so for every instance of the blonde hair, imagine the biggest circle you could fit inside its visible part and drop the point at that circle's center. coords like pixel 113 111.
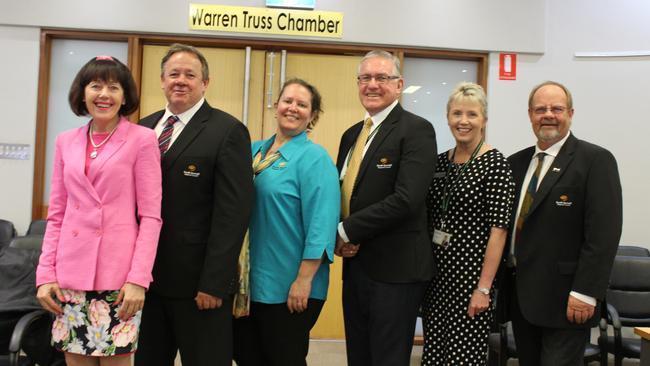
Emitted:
pixel 471 92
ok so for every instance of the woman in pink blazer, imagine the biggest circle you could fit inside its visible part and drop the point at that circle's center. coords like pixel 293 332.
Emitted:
pixel 103 221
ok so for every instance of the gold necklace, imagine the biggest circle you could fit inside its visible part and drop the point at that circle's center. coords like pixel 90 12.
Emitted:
pixel 93 154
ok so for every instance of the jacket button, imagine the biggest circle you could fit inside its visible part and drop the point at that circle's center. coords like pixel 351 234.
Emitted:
pixel 75 233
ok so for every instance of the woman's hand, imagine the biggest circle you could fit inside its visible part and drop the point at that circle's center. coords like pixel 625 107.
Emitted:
pixel 478 303
pixel 45 295
pixel 298 295
pixel 132 298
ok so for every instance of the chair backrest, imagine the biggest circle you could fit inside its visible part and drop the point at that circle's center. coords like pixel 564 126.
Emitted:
pixel 629 289
pixel 633 251
pixel 7 232
pixel 27 242
pixel 37 227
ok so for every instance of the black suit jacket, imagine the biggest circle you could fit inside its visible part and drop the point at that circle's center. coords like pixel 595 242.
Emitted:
pixel 569 239
pixel 207 197
pixel 387 209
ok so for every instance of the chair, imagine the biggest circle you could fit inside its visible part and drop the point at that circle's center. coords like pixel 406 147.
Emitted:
pixel 37 227
pixel 7 232
pixel 502 347
pixel 33 242
pixel 628 305
pixel 632 251
pixel 31 335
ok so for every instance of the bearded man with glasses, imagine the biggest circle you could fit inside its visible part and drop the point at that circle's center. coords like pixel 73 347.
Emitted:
pixel 568 225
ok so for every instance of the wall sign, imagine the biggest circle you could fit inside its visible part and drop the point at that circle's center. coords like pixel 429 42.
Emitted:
pixel 268 21
pixel 507 66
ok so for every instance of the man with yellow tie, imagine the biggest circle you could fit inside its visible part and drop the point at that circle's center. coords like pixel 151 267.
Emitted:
pixel 386 164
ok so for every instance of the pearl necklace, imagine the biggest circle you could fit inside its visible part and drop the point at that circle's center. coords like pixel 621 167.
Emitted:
pixel 93 154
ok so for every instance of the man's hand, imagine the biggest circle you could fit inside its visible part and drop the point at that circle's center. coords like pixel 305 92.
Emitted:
pixel 206 301
pixel 338 248
pixel 578 311
pixel 345 250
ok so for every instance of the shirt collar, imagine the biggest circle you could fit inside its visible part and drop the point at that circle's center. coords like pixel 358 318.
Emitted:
pixel 288 149
pixel 184 117
pixel 554 149
pixel 381 116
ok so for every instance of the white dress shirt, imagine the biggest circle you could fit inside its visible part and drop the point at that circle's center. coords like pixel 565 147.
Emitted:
pixel 183 119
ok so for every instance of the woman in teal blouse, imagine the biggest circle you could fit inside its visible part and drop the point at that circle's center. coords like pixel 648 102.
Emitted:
pixel 292 234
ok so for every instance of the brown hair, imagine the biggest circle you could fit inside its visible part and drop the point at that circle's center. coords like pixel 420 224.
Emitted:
pixel 179 47
pixel 106 69
pixel 316 100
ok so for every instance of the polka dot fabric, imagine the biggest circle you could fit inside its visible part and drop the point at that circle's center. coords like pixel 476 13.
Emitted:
pixel 481 199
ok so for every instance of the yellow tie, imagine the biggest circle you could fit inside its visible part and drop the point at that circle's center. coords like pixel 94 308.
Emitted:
pixel 353 168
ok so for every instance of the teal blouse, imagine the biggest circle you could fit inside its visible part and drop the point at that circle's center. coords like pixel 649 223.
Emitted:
pixel 296 211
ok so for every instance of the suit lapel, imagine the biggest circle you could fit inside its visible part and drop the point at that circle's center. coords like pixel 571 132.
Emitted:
pixel 78 149
pixel 189 133
pixel 519 168
pixel 152 120
pixel 555 171
pixel 347 143
pixel 386 127
pixel 112 146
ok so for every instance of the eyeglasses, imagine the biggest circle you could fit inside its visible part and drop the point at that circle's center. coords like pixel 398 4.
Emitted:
pixel 555 110
pixel 379 79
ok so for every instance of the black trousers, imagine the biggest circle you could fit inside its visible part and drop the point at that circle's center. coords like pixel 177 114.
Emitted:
pixel 542 346
pixel 203 337
pixel 272 336
pixel 379 318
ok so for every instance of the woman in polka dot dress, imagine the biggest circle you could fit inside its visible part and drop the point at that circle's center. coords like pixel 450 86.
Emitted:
pixel 469 201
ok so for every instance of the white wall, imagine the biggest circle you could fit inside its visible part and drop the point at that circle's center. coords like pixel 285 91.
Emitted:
pixel 516 25
pixel 18 93
pixel 611 95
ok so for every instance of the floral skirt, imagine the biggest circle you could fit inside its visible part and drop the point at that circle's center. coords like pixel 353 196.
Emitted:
pixel 90 326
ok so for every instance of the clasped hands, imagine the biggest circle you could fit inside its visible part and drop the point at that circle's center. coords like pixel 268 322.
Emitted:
pixel 345 250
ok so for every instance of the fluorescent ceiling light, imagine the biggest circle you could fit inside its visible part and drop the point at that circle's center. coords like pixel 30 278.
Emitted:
pixel 411 89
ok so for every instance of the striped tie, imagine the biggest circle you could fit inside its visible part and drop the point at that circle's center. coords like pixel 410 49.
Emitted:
pixel 529 196
pixel 166 135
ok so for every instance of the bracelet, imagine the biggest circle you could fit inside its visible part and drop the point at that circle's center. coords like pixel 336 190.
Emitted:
pixel 484 290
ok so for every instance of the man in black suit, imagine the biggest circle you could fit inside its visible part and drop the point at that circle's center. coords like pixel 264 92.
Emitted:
pixel 386 164
pixel 568 224
pixel 207 196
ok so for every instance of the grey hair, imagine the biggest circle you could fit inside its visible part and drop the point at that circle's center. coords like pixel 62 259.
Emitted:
pixel 385 55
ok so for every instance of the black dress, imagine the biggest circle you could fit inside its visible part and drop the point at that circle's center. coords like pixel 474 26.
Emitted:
pixel 481 198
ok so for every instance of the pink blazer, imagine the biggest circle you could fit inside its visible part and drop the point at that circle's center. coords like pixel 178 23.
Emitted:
pixel 102 229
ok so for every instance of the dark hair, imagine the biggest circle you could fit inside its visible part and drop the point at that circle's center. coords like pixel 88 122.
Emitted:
pixel 316 100
pixel 103 68
pixel 179 47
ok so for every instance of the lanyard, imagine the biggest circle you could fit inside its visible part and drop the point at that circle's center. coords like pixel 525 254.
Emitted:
pixel 370 136
pixel 449 186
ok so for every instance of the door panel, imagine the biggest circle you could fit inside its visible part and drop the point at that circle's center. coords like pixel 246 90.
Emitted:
pixel 335 78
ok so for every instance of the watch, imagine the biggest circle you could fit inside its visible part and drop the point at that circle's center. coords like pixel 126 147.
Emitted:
pixel 484 290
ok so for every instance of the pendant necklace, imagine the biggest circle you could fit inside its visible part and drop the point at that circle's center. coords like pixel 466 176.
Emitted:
pixel 93 154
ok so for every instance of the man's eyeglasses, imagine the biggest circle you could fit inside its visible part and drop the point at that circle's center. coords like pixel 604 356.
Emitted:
pixel 379 79
pixel 555 110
